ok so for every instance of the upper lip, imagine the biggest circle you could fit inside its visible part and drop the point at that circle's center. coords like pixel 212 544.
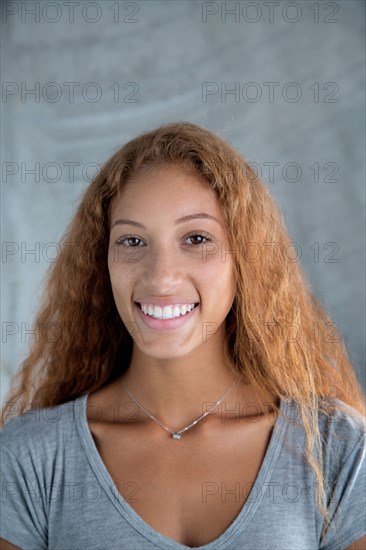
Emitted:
pixel 165 301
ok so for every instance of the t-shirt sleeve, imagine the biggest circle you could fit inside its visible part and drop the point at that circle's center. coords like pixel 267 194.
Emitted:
pixel 23 515
pixel 347 506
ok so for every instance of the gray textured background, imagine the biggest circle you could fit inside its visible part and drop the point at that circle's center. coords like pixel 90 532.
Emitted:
pixel 168 50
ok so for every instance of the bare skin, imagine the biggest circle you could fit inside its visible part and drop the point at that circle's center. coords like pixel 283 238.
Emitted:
pixel 189 490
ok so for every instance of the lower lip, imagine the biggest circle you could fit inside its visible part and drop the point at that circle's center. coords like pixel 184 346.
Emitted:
pixel 165 324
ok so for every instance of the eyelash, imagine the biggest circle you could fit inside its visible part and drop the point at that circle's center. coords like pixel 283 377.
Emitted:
pixel 200 234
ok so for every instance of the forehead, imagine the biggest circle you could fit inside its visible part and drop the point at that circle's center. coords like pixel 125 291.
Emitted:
pixel 166 188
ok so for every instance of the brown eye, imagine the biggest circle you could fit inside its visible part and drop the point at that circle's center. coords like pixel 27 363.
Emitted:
pixel 202 236
pixel 130 245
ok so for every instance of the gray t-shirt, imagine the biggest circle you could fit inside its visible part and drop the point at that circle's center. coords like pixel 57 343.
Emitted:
pixel 58 494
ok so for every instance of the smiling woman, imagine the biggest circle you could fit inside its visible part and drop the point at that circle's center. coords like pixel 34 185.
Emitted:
pixel 164 267
pixel 176 409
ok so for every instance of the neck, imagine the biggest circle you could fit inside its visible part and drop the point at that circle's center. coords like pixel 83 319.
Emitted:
pixel 178 390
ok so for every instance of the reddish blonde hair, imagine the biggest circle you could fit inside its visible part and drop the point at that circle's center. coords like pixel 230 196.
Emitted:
pixel 93 346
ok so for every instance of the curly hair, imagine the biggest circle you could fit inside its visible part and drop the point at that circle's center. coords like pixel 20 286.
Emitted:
pixel 83 343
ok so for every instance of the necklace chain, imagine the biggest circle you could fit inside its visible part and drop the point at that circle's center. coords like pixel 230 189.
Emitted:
pixel 177 434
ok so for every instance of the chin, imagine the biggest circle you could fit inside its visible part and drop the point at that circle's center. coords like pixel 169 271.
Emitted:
pixel 170 353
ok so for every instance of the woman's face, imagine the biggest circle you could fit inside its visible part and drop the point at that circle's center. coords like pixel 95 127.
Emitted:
pixel 160 256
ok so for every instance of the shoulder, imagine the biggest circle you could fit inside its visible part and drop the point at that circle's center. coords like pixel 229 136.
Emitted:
pixel 343 433
pixel 333 415
pixel 341 428
pixel 341 424
pixel 39 430
pixel 34 451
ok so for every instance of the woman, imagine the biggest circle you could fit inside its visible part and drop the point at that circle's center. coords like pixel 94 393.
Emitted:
pixel 179 395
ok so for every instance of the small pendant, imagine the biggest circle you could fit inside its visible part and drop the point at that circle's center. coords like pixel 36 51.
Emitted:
pixel 176 435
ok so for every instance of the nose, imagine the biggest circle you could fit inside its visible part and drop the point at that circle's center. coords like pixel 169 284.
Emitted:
pixel 163 270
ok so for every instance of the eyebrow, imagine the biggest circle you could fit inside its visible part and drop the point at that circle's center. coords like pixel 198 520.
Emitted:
pixel 180 220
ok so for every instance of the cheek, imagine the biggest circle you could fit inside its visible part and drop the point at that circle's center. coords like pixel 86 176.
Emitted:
pixel 220 266
pixel 121 290
pixel 119 266
pixel 111 262
pixel 119 278
pixel 218 278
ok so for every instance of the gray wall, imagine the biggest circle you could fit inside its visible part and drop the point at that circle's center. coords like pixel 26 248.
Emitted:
pixel 174 60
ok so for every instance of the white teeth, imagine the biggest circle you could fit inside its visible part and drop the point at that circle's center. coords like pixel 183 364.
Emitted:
pixel 167 312
pixel 157 311
pixel 176 311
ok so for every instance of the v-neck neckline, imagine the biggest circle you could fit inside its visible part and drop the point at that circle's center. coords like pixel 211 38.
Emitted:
pixel 141 526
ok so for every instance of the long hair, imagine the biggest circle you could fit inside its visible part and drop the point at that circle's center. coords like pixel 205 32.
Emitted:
pixel 279 335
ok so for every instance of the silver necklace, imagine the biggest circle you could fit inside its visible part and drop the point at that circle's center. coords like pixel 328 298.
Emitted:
pixel 177 435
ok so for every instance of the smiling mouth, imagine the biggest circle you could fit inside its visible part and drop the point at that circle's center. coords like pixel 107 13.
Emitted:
pixel 166 312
